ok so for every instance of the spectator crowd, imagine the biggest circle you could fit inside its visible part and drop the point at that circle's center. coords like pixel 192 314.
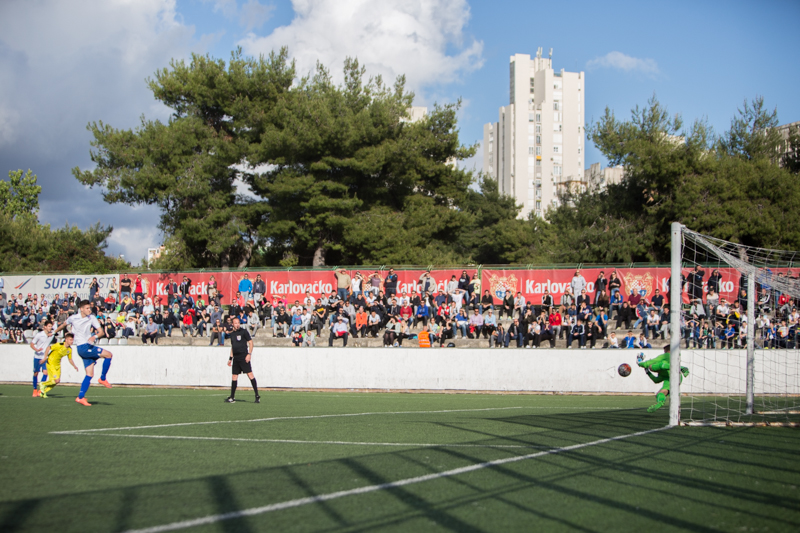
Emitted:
pixel 432 313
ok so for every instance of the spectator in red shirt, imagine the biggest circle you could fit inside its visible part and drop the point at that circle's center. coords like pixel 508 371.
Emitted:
pixel 555 323
pixel 187 323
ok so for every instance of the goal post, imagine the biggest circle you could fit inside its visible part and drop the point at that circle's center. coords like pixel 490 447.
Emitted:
pixel 734 323
pixel 675 302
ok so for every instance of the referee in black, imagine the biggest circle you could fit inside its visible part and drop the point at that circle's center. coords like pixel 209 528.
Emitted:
pixel 239 361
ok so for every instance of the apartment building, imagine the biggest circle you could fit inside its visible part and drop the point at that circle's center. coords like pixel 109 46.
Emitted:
pixel 536 147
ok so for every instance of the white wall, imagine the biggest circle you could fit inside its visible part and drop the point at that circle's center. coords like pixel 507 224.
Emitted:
pixel 397 368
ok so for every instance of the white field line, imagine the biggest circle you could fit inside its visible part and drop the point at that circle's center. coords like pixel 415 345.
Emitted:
pixel 212 519
pixel 271 419
pixel 140 395
pixel 334 442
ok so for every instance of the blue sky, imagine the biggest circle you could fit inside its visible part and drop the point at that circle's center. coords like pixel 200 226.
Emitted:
pixel 64 64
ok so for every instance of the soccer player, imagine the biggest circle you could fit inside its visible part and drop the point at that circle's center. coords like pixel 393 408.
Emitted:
pixel 660 364
pixel 239 361
pixel 55 353
pixel 82 324
pixel 39 344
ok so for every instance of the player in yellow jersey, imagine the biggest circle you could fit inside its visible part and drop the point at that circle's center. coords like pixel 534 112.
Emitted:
pixel 55 353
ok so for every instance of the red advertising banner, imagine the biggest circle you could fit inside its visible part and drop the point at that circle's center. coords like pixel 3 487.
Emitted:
pixel 644 281
pixel 293 285
pixel 157 284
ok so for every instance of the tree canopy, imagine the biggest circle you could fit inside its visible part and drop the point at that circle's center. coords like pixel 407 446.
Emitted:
pixel 19 196
pixel 730 187
pixel 256 167
pixel 26 245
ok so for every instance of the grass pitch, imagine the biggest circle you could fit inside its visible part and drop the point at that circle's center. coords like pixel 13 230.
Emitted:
pixel 159 460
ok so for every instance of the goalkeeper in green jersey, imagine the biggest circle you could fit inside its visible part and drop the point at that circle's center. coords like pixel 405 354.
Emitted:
pixel 660 365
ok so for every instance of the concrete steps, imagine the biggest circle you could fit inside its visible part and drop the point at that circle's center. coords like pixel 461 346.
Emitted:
pixel 267 340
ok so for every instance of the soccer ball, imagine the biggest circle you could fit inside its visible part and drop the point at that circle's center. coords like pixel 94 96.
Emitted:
pixel 624 370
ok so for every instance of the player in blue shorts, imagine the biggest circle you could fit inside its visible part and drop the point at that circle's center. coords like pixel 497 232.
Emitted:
pixel 39 345
pixel 87 330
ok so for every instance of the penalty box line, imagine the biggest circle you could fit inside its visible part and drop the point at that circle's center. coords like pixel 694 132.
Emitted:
pixel 275 418
pixel 212 519
pixel 329 442
pixel 308 417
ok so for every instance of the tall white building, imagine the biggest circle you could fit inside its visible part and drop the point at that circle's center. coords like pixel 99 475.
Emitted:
pixel 537 145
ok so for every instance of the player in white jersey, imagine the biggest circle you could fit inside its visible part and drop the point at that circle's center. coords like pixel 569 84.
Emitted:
pixel 39 346
pixel 86 329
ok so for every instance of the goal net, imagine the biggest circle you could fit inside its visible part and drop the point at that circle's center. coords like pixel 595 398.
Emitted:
pixel 739 333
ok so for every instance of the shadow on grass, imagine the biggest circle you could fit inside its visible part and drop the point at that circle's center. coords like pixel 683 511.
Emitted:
pixel 18 514
pixel 618 477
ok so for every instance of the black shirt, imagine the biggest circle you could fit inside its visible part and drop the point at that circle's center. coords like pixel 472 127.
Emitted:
pixel 239 340
pixel 125 285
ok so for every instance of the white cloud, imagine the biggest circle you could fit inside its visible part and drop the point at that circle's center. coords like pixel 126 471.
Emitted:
pixel 390 38
pixel 620 61
pixel 253 15
pixel 65 64
pixel 134 242
pixel 227 7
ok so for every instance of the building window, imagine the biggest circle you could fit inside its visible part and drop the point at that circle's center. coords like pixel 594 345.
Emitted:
pixel 556 106
pixel 538 162
pixel 538 150
pixel 538 139
pixel 538 206
pixel 579 150
pixel 556 170
pixel 538 117
pixel 538 128
pixel 530 149
pixel 556 149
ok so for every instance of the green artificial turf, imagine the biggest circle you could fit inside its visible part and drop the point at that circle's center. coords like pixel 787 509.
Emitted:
pixel 696 479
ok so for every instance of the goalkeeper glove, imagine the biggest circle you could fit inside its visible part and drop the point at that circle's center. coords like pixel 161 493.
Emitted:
pixel 640 357
pixel 685 371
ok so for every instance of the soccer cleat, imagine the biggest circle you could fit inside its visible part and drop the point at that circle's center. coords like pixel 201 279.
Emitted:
pixel 42 394
pixel 104 383
pixel 258 399
pixel 655 407
pixel 83 401
pixel 230 399
pixel 35 393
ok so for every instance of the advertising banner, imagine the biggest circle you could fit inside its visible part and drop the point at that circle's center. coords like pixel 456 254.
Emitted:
pixel 644 281
pixel 157 284
pixel 52 284
pixel 293 285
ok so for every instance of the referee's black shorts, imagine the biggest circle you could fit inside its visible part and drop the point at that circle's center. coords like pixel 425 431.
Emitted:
pixel 240 366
